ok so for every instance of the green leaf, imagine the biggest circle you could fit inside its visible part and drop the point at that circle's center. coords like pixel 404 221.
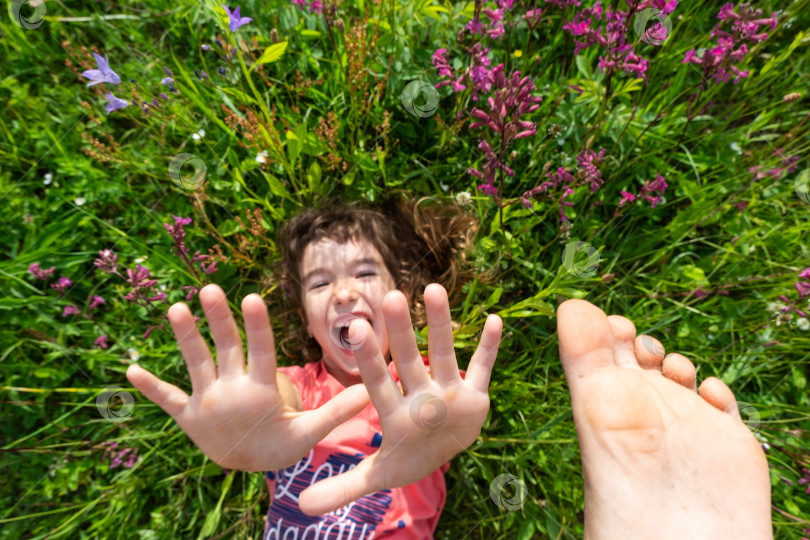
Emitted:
pixel 584 66
pixel 310 34
pixel 271 54
pixel 293 147
pixel 314 176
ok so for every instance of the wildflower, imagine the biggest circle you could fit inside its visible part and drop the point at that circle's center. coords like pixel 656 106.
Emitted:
pixel 588 160
pixel 210 269
pixel 198 135
pixel 651 186
pixel 222 71
pixel 39 273
pixel 204 75
pixel 463 198
pixel 70 309
pixel 206 48
pixel 261 157
pixel 79 201
pixel 803 289
pixel 167 81
pixel 518 53
pixel 133 354
pixel 805 274
pixel 736 147
pixel 139 278
pixel 95 302
pixel 114 103
pixel 563 203
pixel 48 179
pixel 62 284
pixel 803 324
pixel 235 20
pixel 316 7
pixel 191 291
pixel 626 198
pixel 107 261
pixel 101 342
pixel 103 73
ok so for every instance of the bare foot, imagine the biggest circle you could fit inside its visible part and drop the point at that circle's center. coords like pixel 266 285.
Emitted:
pixel 660 460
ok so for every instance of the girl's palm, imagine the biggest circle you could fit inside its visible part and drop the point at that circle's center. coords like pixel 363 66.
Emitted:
pixel 427 421
pixel 241 420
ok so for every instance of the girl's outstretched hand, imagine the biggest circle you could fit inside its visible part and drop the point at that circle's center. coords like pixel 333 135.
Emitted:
pixel 241 420
pixel 435 416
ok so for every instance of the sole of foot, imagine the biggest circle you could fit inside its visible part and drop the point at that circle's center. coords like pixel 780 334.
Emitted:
pixel 661 459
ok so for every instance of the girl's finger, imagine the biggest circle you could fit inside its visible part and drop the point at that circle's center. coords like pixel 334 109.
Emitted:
pixel 402 343
pixel 443 365
pixel 167 396
pixel 480 369
pixel 228 342
pixel 384 392
pixel 200 364
pixel 261 346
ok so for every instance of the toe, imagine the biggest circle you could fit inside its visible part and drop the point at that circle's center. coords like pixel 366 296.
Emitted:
pixel 624 334
pixel 586 339
pixel 718 395
pixel 649 352
pixel 680 369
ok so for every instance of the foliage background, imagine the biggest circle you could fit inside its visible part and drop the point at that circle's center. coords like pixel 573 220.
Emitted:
pixel 698 271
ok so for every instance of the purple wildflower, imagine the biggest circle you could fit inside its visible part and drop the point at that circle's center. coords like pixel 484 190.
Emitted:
pixel 62 284
pixel 39 273
pixel 107 261
pixel 805 274
pixel 588 160
pixel 191 291
pixel 626 198
pixel 101 342
pixel 69 309
pixel 235 20
pixel 167 81
pixel 103 73
pixel 96 301
pixel 206 48
pixel 114 103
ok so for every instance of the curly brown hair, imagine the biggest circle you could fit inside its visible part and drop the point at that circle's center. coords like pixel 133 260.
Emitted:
pixel 420 241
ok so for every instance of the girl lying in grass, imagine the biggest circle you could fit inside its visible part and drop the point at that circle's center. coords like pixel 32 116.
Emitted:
pixel 355 446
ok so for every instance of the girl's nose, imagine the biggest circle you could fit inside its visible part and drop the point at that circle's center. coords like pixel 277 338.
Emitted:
pixel 345 291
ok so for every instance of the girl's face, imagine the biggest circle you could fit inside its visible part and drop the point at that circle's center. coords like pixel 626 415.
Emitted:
pixel 342 282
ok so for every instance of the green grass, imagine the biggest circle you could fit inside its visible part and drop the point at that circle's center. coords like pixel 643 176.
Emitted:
pixel 651 260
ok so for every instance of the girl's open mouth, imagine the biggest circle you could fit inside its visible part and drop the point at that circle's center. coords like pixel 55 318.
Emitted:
pixel 340 331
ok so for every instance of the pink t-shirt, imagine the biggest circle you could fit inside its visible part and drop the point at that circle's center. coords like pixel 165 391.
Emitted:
pixel 406 513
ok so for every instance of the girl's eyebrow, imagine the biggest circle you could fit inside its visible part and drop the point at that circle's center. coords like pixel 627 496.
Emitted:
pixel 366 260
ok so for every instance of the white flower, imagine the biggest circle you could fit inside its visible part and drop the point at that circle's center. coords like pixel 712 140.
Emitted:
pixel 463 198
pixel 773 307
pixel 803 324
pixel 261 156
pixel 139 260
pixel 79 201
pixel 199 135
pixel 443 186
pixel 133 354
pixel 48 179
